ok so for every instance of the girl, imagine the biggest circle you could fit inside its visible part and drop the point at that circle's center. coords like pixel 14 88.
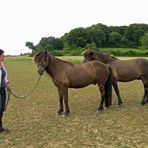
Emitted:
pixel 4 84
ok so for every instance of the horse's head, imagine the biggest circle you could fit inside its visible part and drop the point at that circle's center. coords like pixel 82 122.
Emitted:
pixel 90 55
pixel 41 59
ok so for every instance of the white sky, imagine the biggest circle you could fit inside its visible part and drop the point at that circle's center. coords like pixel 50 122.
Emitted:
pixel 30 20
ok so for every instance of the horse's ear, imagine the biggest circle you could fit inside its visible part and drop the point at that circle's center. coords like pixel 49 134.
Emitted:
pixel 46 55
pixel 83 53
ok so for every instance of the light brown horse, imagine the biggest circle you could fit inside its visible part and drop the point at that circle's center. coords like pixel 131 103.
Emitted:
pixel 122 70
pixel 66 75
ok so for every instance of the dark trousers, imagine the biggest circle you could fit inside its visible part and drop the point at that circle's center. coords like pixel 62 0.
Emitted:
pixel 2 103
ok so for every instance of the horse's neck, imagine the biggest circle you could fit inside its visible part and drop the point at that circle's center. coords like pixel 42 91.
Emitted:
pixel 113 60
pixel 54 65
pixel 109 58
pixel 103 58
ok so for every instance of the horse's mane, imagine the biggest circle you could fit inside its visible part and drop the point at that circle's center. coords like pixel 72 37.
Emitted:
pixel 104 57
pixel 41 55
pixel 61 60
pixel 105 54
pixel 114 57
pixel 38 56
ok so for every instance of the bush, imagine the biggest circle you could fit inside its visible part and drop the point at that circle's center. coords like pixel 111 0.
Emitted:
pixel 126 52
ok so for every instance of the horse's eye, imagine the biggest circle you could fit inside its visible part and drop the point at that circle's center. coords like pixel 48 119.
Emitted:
pixel 87 57
pixel 40 65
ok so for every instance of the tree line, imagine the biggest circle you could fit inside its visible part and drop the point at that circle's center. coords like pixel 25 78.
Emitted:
pixel 96 36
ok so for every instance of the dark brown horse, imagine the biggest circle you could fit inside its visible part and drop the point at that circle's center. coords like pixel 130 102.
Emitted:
pixel 122 70
pixel 66 75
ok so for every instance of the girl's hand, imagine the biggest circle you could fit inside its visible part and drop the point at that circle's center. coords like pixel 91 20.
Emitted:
pixel 8 87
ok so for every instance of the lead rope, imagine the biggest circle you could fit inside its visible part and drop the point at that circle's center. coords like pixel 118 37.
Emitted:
pixel 22 97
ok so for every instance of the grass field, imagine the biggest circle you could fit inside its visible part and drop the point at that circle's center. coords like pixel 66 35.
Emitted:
pixel 34 124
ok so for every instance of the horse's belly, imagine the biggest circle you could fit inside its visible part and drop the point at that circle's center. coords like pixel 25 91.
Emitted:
pixel 80 83
pixel 126 78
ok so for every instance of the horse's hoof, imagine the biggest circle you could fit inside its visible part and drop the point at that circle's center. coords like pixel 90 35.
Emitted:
pixel 99 109
pixel 59 113
pixel 65 115
pixel 119 104
pixel 107 106
pixel 142 103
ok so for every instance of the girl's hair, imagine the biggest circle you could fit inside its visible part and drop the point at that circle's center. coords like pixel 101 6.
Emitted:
pixel 1 52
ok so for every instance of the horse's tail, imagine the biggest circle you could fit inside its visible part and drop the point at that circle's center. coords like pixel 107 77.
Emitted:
pixel 108 89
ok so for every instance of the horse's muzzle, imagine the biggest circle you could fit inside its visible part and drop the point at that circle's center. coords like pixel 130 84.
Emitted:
pixel 41 70
pixel 86 60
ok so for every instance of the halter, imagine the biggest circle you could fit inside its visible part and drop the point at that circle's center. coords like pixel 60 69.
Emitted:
pixel 45 66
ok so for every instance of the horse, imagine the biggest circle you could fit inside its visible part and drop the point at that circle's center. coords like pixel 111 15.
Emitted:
pixel 122 70
pixel 67 75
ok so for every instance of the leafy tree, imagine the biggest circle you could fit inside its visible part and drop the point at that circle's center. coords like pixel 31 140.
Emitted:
pixel 95 36
pixel 91 45
pixel 30 45
pixel 77 38
pixel 51 43
pixel 144 41
pixel 114 39
pixel 134 33
pixel 119 29
pixel 124 42
pixel 43 42
pixel 57 44
pixel 100 34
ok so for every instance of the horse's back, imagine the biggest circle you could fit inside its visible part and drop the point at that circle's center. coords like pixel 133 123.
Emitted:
pixel 97 69
pixel 128 70
pixel 84 74
pixel 97 66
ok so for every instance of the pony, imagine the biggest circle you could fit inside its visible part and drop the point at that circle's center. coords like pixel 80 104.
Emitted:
pixel 122 70
pixel 67 75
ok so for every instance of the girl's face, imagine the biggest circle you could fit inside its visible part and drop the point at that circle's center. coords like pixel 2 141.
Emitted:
pixel 2 57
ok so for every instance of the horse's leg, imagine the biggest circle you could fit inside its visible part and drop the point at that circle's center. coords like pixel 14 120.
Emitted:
pixel 65 95
pixel 102 90
pixel 145 97
pixel 144 100
pixel 117 91
pixel 60 102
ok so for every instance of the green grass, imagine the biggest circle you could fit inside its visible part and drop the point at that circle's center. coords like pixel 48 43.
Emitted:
pixel 34 124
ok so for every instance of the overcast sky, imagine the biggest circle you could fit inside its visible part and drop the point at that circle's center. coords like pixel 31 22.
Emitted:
pixel 30 20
